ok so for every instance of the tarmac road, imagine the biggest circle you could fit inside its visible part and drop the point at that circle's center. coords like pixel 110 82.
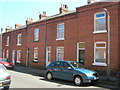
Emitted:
pixel 23 80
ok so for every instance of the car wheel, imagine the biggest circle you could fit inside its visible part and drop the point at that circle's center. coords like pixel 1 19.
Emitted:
pixel 78 81
pixel 6 88
pixel 49 76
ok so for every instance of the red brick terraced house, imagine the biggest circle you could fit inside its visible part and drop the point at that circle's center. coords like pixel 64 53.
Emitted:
pixel 80 35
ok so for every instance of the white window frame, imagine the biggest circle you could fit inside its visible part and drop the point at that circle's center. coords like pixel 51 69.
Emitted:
pixel 19 36
pixel 96 63
pixel 100 31
pixel 36 36
pixel 18 57
pixel 57 53
pixel 8 41
pixel 59 30
pixel 36 58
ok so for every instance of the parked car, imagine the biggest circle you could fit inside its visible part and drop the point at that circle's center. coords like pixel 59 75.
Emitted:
pixel 72 71
pixel 118 78
pixel 6 63
pixel 5 78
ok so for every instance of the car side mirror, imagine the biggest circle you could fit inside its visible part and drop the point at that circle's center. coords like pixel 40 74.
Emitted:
pixel 69 68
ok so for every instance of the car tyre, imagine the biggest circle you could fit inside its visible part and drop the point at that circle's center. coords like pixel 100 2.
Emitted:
pixel 6 88
pixel 78 81
pixel 49 76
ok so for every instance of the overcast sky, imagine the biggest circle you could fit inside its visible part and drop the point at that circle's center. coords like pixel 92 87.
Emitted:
pixel 16 11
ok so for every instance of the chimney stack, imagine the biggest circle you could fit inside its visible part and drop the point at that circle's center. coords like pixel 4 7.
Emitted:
pixel 63 8
pixel 17 25
pixel 8 28
pixel 43 15
pixel 29 20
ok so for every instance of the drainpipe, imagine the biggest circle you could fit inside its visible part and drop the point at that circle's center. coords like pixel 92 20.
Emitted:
pixel 108 62
pixel 1 43
pixel 44 63
pixel 27 50
pixel 11 44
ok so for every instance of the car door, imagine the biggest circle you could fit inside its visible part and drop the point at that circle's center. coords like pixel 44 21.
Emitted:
pixel 67 71
pixel 56 69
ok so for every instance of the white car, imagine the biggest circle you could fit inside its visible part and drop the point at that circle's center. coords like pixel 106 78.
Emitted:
pixel 5 78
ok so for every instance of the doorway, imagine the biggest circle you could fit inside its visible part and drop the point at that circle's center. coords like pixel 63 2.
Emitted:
pixel 13 57
pixel 81 52
pixel 48 55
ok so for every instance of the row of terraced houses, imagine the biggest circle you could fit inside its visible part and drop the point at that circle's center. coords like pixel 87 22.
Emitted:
pixel 80 35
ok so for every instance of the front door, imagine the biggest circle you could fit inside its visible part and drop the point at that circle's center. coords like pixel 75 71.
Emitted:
pixel 81 56
pixel 27 56
pixel 13 57
pixel 48 55
pixel 81 52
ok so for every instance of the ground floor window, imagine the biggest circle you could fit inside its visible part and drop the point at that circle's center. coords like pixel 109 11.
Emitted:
pixel 100 53
pixel 18 56
pixel 36 53
pixel 60 53
pixel 3 54
pixel 7 54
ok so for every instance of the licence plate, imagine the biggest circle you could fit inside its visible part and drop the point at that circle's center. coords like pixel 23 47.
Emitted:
pixel 1 84
pixel 96 78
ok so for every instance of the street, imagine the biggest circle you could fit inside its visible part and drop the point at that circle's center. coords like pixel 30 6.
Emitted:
pixel 23 80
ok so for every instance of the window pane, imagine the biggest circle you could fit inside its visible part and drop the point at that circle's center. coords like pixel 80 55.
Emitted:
pixel 36 34
pixel 18 56
pixel 100 24
pixel 60 31
pixel 36 53
pixel 60 53
pixel 100 55
pixel 100 15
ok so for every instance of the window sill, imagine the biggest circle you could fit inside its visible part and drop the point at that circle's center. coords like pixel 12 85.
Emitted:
pixel 36 41
pixel 7 45
pixel 95 32
pixel 99 64
pixel 35 61
pixel 60 39
pixel 18 62
pixel 18 44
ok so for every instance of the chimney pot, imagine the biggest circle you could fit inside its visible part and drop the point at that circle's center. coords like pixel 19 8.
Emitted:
pixel 29 20
pixel 43 15
pixel 8 28
pixel 63 8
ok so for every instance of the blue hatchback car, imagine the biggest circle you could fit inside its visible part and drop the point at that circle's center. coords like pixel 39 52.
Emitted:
pixel 72 71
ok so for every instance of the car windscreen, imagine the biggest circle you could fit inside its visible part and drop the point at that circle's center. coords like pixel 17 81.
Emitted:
pixel 2 69
pixel 76 65
pixel 4 60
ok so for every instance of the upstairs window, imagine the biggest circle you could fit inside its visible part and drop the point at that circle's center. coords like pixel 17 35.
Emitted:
pixel 60 31
pixel 36 34
pixel 8 39
pixel 100 22
pixel 19 39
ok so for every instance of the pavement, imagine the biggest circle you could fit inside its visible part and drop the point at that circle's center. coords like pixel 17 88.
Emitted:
pixel 40 72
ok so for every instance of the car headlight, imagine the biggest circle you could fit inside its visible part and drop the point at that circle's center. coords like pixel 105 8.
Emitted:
pixel 89 74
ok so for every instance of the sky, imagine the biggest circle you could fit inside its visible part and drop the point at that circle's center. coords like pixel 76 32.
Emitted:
pixel 17 11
